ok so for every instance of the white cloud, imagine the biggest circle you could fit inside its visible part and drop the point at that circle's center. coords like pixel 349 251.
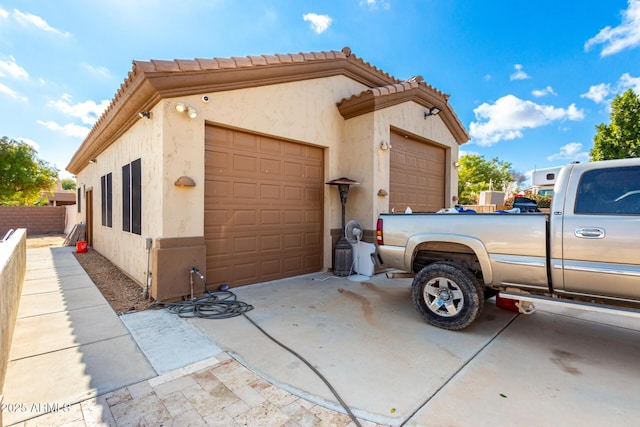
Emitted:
pixel 88 112
pixel 376 4
pixel 571 152
pixel 598 93
pixel 28 20
pixel 319 23
pixel 68 129
pixel 3 13
pixel 12 93
pixel 30 142
pixel 99 71
pixel 519 74
pixel 467 153
pixel 506 119
pixel 538 93
pixel 12 69
pixel 628 82
pixel 624 36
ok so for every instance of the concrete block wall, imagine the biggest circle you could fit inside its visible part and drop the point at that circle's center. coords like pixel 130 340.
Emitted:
pixel 13 266
pixel 35 219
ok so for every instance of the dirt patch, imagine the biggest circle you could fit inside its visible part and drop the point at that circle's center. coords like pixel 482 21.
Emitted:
pixel 45 241
pixel 122 292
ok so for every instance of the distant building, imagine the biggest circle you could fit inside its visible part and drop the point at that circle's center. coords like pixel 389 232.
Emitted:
pixel 543 180
pixel 59 197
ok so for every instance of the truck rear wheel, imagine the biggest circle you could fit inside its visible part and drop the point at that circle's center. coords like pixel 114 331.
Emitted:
pixel 447 295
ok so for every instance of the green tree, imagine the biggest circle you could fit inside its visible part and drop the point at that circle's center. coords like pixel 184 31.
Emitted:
pixel 68 184
pixel 621 138
pixel 22 174
pixel 476 174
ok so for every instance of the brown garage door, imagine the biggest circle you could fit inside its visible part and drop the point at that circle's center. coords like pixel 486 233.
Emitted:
pixel 417 175
pixel 263 208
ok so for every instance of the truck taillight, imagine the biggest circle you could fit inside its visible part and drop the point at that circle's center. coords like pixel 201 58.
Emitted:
pixel 379 238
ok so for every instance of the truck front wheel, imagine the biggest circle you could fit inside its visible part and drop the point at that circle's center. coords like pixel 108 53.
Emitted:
pixel 447 295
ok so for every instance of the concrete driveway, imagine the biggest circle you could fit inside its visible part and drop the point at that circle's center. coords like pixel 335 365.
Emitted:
pixel 556 367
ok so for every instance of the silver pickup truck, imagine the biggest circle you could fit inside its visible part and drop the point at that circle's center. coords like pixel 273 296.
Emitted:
pixel 584 252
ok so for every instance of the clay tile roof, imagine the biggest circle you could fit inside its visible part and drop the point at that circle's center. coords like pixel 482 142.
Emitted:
pixel 208 64
pixel 226 63
pixel 187 64
pixel 271 59
pixel 414 89
pixel 165 65
pixel 258 60
pixel 150 81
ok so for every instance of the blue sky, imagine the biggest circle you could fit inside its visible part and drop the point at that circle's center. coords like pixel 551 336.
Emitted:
pixel 529 80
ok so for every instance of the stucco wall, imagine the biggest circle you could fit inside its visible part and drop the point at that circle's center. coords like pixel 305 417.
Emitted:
pixel 36 219
pixel 13 265
pixel 143 141
pixel 171 145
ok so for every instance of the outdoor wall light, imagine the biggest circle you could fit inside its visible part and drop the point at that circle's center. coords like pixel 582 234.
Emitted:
pixel 384 145
pixel 146 114
pixel 456 164
pixel 191 112
pixel 433 111
pixel 184 181
pixel 93 161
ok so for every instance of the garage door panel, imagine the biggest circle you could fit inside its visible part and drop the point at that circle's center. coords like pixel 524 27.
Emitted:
pixel 245 190
pixel 270 167
pixel 270 192
pixel 246 141
pixel 292 217
pixel 270 217
pixel 263 222
pixel 243 218
pixel 294 240
pixel 270 242
pixel 270 146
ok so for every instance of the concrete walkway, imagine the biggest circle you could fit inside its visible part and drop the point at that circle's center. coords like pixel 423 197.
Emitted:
pixel 74 357
pixel 76 361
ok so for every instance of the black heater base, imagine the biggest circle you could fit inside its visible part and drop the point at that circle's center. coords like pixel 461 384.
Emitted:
pixel 343 258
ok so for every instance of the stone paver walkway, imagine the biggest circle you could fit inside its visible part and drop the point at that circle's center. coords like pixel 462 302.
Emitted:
pixel 214 392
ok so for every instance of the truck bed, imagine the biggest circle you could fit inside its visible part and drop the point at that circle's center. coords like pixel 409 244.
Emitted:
pixel 518 242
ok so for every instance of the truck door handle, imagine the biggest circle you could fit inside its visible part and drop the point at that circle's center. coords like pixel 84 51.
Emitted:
pixel 590 232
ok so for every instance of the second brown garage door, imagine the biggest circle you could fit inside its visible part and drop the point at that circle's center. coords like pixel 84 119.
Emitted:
pixel 417 175
pixel 263 207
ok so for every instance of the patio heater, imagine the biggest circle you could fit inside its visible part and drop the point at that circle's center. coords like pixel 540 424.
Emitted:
pixel 343 255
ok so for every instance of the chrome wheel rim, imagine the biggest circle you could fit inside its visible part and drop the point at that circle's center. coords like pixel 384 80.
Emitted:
pixel 443 297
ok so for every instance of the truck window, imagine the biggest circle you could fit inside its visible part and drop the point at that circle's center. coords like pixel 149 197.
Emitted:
pixel 613 191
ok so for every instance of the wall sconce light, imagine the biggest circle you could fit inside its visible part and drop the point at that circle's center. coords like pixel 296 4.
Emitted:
pixel 93 161
pixel 433 111
pixel 456 164
pixel 146 114
pixel 384 145
pixel 184 181
pixel 191 112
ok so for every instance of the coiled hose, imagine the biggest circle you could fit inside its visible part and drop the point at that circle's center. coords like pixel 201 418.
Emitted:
pixel 224 304
pixel 211 305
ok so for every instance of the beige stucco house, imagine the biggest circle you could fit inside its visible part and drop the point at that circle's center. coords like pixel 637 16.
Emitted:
pixel 221 164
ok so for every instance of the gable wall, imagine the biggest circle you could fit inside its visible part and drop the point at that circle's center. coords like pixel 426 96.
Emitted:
pixel 171 144
pixel 125 249
pixel 364 135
